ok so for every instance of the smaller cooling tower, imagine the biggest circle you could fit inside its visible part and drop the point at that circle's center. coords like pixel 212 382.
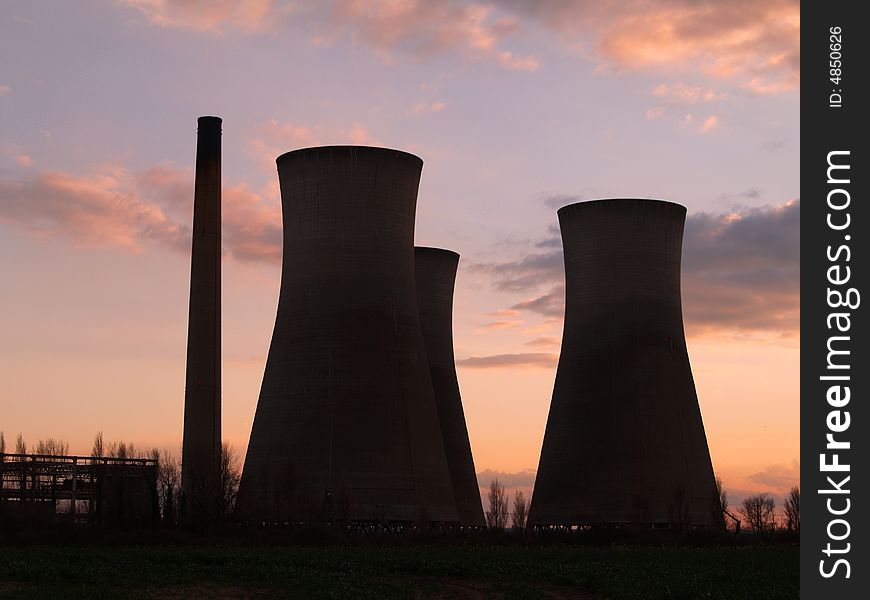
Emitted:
pixel 435 272
pixel 624 441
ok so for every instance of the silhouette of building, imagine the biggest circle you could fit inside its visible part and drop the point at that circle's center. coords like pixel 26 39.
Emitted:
pixel 624 441
pixel 435 274
pixel 201 445
pixel 40 489
pixel 346 425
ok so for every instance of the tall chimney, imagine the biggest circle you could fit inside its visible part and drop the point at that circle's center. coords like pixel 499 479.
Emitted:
pixel 201 446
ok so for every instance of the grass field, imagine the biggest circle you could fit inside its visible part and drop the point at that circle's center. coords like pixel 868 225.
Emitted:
pixel 398 571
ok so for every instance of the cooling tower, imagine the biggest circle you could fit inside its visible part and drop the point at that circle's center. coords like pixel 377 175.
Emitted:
pixel 624 441
pixel 346 425
pixel 201 445
pixel 435 272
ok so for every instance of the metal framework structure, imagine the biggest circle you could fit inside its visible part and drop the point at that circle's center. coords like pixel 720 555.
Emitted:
pixel 105 490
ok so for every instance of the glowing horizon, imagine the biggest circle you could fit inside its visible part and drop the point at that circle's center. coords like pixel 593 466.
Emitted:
pixel 516 109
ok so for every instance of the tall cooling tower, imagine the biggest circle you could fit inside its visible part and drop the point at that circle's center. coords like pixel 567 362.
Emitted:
pixel 435 271
pixel 624 441
pixel 346 425
pixel 201 445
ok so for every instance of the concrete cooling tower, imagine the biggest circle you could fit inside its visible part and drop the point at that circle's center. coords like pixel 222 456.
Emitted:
pixel 201 446
pixel 346 425
pixel 624 441
pixel 435 271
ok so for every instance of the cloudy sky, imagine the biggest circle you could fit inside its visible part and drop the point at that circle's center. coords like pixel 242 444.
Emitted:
pixel 517 107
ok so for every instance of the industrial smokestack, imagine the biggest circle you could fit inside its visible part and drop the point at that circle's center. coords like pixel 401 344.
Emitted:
pixel 346 425
pixel 624 441
pixel 435 274
pixel 201 446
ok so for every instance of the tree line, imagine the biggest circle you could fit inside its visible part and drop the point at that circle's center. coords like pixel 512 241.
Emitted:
pixel 757 510
pixel 168 469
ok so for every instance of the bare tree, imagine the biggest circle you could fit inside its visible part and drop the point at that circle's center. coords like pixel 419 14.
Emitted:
pixel 496 518
pixel 792 506
pixel 168 479
pixel 521 511
pixel 2 443
pixel 121 450
pixel 52 447
pixel 20 445
pixel 758 511
pixel 231 475
pixel 98 448
pixel 719 507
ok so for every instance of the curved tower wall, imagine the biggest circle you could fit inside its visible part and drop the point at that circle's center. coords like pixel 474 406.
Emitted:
pixel 435 271
pixel 201 444
pixel 346 424
pixel 624 441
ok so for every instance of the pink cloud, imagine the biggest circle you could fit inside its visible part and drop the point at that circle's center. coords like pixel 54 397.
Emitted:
pixel 527 360
pixel 422 29
pixel 544 342
pixel 681 93
pixel 213 16
pixel 417 28
pixel 24 160
pixel 112 207
pixel 424 107
pixel 753 44
pixel 271 138
pixel 709 124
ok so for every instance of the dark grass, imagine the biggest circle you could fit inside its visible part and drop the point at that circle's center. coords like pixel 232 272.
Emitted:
pixel 399 571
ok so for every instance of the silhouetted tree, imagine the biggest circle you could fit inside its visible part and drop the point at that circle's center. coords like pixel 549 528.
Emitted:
pixel 792 506
pixel 758 511
pixel 52 447
pixel 521 511
pixel 168 478
pixel 98 448
pixel 2 443
pixel 231 475
pixel 719 505
pixel 496 517
pixel 21 448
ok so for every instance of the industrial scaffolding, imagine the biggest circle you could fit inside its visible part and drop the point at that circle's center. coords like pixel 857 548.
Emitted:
pixel 91 489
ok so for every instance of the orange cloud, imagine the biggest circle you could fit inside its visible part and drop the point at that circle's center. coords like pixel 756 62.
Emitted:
pixel 497 325
pixel 544 342
pixel 95 210
pixel 754 44
pixel 114 207
pixel 709 124
pixel 529 360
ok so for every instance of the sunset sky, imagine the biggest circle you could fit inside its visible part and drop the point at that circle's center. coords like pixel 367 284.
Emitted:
pixel 517 107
